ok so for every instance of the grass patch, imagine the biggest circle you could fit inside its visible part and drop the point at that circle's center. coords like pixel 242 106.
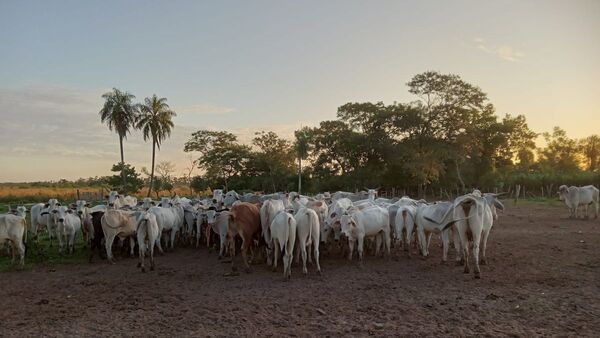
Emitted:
pixel 41 254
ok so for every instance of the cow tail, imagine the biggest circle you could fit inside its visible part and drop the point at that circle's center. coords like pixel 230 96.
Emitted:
pixel 287 234
pixel 310 219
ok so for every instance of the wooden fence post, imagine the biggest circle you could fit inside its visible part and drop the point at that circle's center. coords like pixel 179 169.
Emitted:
pixel 517 192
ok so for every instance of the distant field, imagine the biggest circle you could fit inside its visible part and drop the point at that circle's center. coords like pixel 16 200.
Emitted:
pixel 24 194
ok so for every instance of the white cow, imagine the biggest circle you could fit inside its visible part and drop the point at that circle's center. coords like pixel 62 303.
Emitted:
pixel 40 217
pixel 217 198
pixel 268 210
pixel 84 212
pixel 218 222
pixel 472 218
pixel 68 226
pixel 117 201
pixel 14 229
pixel 231 197
pixel 426 219
pixel 169 217
pixel 147 234
pixel 370 222
pixel 576 196
pixel 332 221
pixel 404 221
pixel 147 203
pixel 308 233
pixel 118 223
pixel 283 232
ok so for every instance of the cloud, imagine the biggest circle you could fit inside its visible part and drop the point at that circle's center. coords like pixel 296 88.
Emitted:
pixel 505 52
pixel 203 109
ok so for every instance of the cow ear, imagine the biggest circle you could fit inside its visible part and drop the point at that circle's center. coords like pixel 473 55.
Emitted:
pixel 58 204
pixel 353 224
pixel 70 211
pixel 152 203
pixel 88 205
pixel 171 204
pixel 46 205
pixel 333 215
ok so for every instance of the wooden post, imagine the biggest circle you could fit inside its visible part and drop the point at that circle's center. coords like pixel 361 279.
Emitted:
pixel 517 192
pixel 78 195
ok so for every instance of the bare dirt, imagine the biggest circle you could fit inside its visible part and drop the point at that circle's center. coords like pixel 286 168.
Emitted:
pixel 542 279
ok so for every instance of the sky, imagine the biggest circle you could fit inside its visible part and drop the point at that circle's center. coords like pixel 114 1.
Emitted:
pixel 247 66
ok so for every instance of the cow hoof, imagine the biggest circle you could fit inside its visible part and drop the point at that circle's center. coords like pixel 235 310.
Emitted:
pixel 143 269
pixel 139 265
pixel 483 262
pixel 319 272
pixel 477 275
pixel 466 270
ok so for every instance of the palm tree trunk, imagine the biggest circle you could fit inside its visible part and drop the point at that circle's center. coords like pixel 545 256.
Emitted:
pixel 299 175
pixel 122 160
pixel 152 170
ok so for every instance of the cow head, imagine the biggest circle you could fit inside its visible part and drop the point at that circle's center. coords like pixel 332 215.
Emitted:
pixel 112 197
pixel 217 196
pixel 563 192
pixel 231 197
pixel 347 226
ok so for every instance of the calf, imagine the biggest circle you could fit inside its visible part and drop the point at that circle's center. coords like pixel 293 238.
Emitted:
pixel 85 215
pixel 218 222
pixel 268 210
pixel 283 232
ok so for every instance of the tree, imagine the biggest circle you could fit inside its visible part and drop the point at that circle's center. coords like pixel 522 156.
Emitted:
pixel 221 156
pixel 156 123
pixel 198 184
pixel 133 182
pixel 560 153
pixel 274 159
pixel 590 148
pixel 119 113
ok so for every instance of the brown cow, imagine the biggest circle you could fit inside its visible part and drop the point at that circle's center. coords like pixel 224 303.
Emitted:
pixel 244 220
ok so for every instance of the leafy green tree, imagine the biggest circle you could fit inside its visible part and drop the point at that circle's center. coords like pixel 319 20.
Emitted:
pixel 119 113
pixel 560 152
pixel 221 156
pixel 590 148
pixel 133 182
pixel 156 123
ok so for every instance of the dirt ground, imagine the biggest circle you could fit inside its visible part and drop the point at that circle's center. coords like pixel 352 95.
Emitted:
pixel 542 279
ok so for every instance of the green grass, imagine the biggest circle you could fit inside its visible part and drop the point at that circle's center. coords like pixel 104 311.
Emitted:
pixel 42 254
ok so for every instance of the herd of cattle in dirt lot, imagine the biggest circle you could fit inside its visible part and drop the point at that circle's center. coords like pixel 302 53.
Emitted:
pixel 266 227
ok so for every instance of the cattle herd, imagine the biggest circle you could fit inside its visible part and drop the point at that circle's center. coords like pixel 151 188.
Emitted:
pixel 265 227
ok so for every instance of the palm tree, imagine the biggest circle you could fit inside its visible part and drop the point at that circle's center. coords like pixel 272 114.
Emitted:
pixel 119 113
pixel 155 121
pixel 302 146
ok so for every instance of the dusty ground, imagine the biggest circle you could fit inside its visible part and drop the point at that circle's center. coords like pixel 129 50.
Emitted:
pixel 540 281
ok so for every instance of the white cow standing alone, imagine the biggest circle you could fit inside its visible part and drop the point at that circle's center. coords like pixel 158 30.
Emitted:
pixel 283 233
pixel 576 196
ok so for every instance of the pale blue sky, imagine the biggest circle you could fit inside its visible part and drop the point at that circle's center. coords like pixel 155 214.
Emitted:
pixel 273 65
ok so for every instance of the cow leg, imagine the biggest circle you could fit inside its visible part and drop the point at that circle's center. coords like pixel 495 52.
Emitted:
pixel 246 243
pixel 350 248
pixel 388 243
pixel 132 246
pixel 141 254
pixel 476 242
pixel 587 216
pixel 457 247
pixel 428 241
pixel 408 238
pixel 223 238
pixel 21 248
pixel 108 242
pixel 361 241
pixel 316 254
pixel 422 241
pixel 445 245
pixel 173 234
pixel 304 254
pixel 464 240
pixel 276 254
pixel 484 238
pixel 378 241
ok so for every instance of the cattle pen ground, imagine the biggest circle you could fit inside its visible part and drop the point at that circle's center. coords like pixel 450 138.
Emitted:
pixel 542 279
